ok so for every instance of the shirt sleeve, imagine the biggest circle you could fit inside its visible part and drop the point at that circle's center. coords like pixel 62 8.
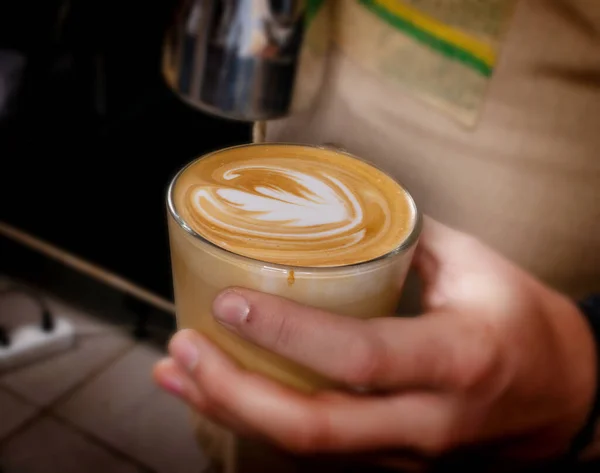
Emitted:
pixel 589 439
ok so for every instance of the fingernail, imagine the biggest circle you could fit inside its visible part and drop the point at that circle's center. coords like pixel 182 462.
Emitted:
pixel 172 383
pixel 231 309
pixel 186 353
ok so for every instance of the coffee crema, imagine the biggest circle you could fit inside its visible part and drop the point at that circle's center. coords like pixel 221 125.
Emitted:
pixel 294 205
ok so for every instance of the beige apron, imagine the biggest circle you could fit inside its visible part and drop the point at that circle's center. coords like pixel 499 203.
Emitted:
pixel 526 176
pixel 512 155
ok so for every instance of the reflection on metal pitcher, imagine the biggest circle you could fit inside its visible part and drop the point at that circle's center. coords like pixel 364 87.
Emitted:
pixel 246 59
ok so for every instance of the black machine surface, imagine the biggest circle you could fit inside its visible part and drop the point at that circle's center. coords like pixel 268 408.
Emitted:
pixel 91 135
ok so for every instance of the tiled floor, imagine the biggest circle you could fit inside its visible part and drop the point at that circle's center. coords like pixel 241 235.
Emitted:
pixel 92 408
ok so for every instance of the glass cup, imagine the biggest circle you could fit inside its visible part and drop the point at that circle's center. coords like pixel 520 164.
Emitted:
pixel 201 270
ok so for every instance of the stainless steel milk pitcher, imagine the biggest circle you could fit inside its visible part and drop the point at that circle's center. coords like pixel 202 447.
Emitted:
pixel 247 59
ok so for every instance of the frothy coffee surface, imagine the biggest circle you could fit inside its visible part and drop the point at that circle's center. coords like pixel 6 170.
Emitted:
pixel 294 205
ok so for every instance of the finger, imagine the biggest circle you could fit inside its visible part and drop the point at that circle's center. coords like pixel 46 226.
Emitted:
pixel 169 376
pixel 435 351
pixel 173 378
pixel 315 424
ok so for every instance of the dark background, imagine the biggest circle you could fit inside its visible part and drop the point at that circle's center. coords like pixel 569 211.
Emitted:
pixel 94 135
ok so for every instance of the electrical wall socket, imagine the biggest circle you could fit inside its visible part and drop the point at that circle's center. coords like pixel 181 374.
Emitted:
pixel 29 343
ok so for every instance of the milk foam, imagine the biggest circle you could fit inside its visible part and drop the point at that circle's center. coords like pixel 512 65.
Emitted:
pixel 327 203
pixel 305 210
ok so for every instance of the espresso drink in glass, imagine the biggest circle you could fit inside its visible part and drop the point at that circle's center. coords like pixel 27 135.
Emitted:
pixel 307 223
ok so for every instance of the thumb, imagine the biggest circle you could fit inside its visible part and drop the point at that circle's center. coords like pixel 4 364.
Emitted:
pixel 441 247
pixel 447 261
pixel 459 272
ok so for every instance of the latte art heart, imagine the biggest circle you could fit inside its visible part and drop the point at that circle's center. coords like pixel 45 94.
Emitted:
pixel 299 209
pixel 317 208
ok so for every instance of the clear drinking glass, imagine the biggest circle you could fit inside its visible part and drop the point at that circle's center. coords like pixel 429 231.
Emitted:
pixel 201 270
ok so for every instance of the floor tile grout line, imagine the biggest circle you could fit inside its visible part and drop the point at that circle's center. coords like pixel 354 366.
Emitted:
pixel 37 414
pixel 70 391
pixel 19 396
pixel 100 442
pixel 92 375
pixel 77 338
pixel 49 409
pixel 44 414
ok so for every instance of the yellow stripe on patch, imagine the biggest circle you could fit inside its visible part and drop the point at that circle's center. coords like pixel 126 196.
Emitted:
pixel 480 49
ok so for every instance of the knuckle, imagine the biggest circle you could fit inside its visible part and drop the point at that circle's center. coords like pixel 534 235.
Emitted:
pixel 197 376
pixel 212 391
pixel 437 445
pixel 300 444
pixel 283 329
pixel 309 437
pixel 444 438
pixel 213 387
pixel 201 404
pixel 481 361
pixel 365 364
